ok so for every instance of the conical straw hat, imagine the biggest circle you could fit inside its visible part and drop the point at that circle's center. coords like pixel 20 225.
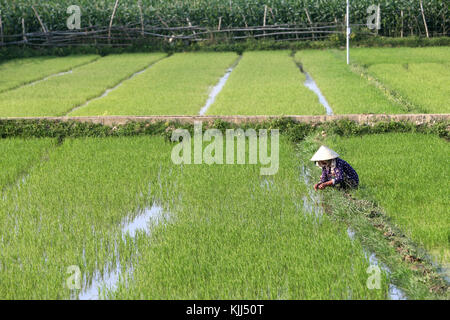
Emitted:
pixel 323 154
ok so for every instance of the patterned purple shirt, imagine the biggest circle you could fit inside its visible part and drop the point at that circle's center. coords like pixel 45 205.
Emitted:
pixel 342 173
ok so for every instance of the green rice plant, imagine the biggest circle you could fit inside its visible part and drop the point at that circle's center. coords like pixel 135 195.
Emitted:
pixel 425 85
pixel 266 83
pixel 371 56
pixel 233 234
pixel 59 95
pixel 417 77
pixel 176 86
pixel 19 72
pixel 228 236
pixel 18 156
pixel 404 174
pixel 345 91
pixel 70 209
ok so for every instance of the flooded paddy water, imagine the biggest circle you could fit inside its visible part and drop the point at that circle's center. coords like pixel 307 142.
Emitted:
pixel 100 285
pixel 312 85
pixel 218 88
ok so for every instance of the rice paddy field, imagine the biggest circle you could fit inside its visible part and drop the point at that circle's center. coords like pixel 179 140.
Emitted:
pixel 133 224
pixel 255 85
pixel 177 85
pixel 380 80
pixel 214 244
pixel 215 231
pixel 397 168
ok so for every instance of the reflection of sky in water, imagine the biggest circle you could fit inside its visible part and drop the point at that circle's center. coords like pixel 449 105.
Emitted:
pixel 216 90
pixel 311 85
pixel 109 281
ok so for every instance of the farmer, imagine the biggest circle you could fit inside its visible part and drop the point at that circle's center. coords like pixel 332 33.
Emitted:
pixel 335 171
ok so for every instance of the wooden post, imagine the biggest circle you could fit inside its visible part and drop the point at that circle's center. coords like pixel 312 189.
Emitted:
pixel 111 21
pixel 265 16
pixel 401 31
pixel 444 20
pixel 44 29
pixel 220 24
pixel 273 16
pixel 1 28
pixel 23 31
pixel 310 23
pixel 190 25
pixel 142 17
pixel 424 20
pixel 409 22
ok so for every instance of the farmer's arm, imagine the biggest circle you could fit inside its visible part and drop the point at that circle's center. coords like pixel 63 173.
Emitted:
pixel 323 178
pixel 339 176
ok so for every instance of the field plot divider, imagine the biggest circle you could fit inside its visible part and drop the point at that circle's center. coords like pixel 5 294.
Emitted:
pixel 391 94
pixel 61 73
pixel 21 178
pixel 312 85
pixel 108 90
pixel 218 87
pixel 417 119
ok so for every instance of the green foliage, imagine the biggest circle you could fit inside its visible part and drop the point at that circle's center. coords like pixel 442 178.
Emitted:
pixel 11 52
pixel 294 130
pixel 233 13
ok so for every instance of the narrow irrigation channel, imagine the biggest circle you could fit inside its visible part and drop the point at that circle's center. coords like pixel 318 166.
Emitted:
pixel 54 75
pixel 312 205
pixel 218 88
pixel 49 77
pixel 100 285
pixel 311 85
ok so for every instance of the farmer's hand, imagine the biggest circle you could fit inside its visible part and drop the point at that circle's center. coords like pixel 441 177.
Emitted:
pixel 325 184
pixel 316 186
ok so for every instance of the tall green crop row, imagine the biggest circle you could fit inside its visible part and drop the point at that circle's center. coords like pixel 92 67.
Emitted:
pixel 233 13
